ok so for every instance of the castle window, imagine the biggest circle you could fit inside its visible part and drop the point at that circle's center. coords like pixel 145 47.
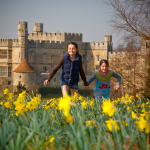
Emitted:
pixel 9 82
pixel 3 71
pixel 9 71
pixel 52 57
pixel 91 57
pixel 3 54
pixel 97 57
pixel 44 57
pixel 10 54
pixel 20 76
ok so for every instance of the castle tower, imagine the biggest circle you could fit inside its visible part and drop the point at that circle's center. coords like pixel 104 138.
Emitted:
pixel 22 39
pixel 108 43
pixel 38 28
pixel 108 38
pixel 25 74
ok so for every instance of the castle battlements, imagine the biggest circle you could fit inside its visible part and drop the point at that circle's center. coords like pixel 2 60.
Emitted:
pixel 96 45
pixel 55 36
pixel 46 44
pixel 6 42
pixel 15 42
pixel 47 36
pixel 22 25
pixel 116 54
pixel 73 36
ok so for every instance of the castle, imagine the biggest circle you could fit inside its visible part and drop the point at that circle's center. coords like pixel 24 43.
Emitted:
pixel 31 57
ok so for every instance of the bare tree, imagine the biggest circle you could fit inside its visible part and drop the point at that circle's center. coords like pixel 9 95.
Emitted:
pixel 132 18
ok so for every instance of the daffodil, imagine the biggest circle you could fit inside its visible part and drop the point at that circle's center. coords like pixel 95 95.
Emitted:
pixel 20 109
pixel 69 118
pixel 112 125
pixel 91 103
pixel 1 103
pixel 50 141
pixel 142 124
pixel 124 123
pixel 108 108
pixel 8 105
pixel 84 104
pixel 64 104
pixel 133 115
pixel 144 114
pixel 137 95
pixel 10 96
pixel 6 91
pixel 90 123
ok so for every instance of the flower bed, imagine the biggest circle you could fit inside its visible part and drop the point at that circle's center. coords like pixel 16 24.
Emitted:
pixel 73 123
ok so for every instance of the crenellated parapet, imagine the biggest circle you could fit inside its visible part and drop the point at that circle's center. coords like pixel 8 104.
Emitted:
pixel 95 45
pixel 46 44
pixel 47 36
pixel 116 54
pixel 5 42
pixel 22 25
pixel 15 42
pixel 73 36
pixel 38 27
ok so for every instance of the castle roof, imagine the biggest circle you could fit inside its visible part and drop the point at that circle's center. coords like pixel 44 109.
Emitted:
pixel 24 67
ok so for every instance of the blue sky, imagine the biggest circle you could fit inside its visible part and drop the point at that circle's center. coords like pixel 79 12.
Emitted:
pixel 89 17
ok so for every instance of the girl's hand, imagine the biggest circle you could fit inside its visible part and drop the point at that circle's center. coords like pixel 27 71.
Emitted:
pixel 118 87
pixel 87 87
pixel 45 82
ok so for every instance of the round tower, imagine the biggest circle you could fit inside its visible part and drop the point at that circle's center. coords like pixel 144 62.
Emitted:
pixel 38 28
pixel 24 74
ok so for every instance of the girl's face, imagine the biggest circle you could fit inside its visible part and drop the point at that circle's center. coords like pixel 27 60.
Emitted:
pixel 72 50
pixel 103 68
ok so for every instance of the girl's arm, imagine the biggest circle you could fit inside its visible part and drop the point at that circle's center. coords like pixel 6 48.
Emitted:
pixel 118 77
pixel 55 69
pixel 91 79
pixel 82 74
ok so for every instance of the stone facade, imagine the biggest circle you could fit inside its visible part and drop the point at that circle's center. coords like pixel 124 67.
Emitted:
pixel 42 51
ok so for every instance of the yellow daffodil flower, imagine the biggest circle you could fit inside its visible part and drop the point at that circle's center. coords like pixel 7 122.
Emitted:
pixel 112 125
pixel 108 108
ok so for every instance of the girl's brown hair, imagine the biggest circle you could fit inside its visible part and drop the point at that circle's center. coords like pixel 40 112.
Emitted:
pixel 103 61
pixel 76 46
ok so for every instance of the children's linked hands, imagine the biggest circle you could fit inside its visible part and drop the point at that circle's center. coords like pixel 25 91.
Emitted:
pixel 118 87
pixel 87 87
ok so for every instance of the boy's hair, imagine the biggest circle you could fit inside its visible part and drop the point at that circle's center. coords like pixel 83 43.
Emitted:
pixel 104 61
pixel 76 45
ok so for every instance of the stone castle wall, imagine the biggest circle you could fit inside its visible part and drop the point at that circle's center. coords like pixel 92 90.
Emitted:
pixel 43 51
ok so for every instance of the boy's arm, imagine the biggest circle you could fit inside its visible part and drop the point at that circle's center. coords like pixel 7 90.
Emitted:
pixel 91 79
pixel 118 77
